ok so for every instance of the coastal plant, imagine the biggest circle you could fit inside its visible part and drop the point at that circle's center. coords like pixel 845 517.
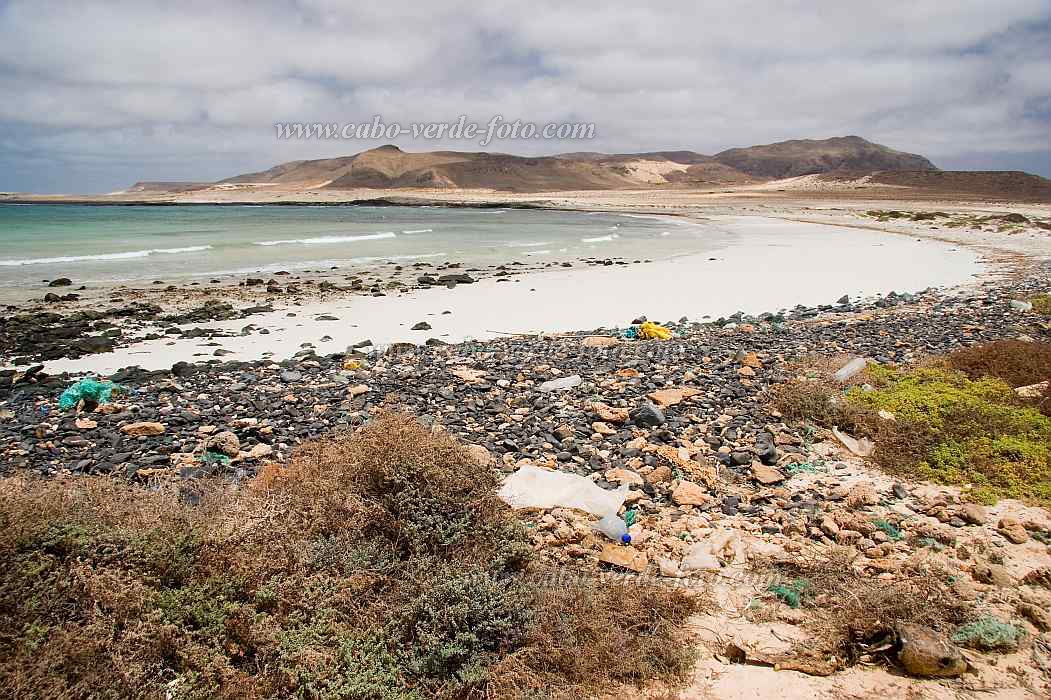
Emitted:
pixel 1041 304
pixel 379 564
pixel 1016 362
pixel 952 420
pixel 951 429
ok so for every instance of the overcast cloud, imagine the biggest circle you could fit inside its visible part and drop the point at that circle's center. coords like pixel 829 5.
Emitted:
pixel 94 96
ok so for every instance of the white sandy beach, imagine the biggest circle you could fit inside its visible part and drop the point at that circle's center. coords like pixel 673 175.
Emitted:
pixel 768 265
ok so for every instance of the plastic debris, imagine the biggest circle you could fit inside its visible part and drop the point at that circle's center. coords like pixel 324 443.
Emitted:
pixel 210 458
pixel 725 548
pixel 848 370
pixel 533 487
pixel 89 390
pixel 791 593
pixel 614 528
pixel 989 634
pixel 647 331
pixel 1019 305
pixel 562 383
pixel 651 331
pixel 861 448
pixel 801 468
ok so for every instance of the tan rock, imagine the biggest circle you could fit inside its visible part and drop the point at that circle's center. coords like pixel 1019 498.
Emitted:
pixel 1032 391
pixel 688 493
pixel 259 450
pixel 750 359
pixel 659 475
pixel 973 513
pixel 926 654
pixel 224 443
pixel 766 475
pixel 599 341
pixel 1012 529
pixel 143 429
pixel 862 495
pixel 624 557
pixel 829 527
pixel 624 476
pixel 627 373
pixel 357 390
pixel 746 371
pixel 1040 618
pixel 480 455
pixel 610 414
pixel 468 375
pixel 992 574
pixel 670 397
pixel 86 424
pixel 602 428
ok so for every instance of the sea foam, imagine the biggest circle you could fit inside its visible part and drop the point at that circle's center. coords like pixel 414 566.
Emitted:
pixel 328 239
pixel 66 259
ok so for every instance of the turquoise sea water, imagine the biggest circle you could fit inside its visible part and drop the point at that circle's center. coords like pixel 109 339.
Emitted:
pixel 106 244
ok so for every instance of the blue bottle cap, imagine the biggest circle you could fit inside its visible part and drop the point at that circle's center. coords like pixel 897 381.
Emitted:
pixel 625 538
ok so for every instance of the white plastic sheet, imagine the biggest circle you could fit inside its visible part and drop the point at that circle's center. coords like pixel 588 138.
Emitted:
pixel 532 487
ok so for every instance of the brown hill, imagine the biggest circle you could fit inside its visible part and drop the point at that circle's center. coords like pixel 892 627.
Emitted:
pixel 805 157
pixel 991 184
pixel 834 159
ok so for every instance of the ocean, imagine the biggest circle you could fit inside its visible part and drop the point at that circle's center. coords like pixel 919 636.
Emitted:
pixel 131 244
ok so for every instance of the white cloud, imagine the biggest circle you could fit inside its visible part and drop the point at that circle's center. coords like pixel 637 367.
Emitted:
pixel 157 87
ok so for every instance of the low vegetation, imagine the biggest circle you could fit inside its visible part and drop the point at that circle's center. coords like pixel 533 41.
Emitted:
pixel 379 565
pixel 956 420
pixel 851 615
pixel 1041 304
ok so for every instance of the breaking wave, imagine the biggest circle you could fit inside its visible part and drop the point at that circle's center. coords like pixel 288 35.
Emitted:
pixel 66 259
pixel 328 239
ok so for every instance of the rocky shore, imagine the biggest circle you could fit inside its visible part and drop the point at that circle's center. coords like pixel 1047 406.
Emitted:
pixel 686 423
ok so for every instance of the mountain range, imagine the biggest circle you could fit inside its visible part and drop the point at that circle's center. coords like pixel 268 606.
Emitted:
pixel 830 161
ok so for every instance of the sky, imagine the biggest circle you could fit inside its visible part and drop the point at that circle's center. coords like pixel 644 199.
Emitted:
pixel 96 96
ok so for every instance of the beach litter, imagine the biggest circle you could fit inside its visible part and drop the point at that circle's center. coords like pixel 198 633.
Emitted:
pixel 860 448
pixel 562 383
pixel 533 487
pixel 1019 305
pixel 648 330
pixel 850 369
pixel 88 390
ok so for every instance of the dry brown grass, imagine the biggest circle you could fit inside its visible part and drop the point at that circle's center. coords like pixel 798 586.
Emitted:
pixel 1016 362
pixel 817 401
pixel 851 614
pixel 378 565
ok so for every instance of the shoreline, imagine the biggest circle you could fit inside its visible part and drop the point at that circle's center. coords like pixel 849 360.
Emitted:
pixel 765 265
pixel 318 292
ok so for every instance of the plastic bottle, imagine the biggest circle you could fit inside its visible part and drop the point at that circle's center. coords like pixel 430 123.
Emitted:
pixel 614 528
